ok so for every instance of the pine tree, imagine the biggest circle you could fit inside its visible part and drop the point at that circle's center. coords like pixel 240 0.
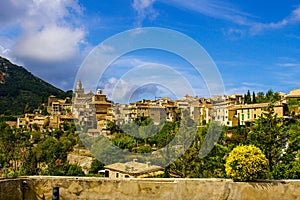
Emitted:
pixel 253 97
pixel 247 98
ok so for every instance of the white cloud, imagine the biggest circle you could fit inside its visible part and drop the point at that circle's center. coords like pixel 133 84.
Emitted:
pixel 293 18
pixel 42 12
pixel 47 37
pixel 226 11
pixel 237 90
pixel 289 64
pixel 106 48
pixel 144 9
pixel 52 43
pixel 12 11
pixel 4 52
pixel 35 13
pixel 126 61
pixel 148 79
pixel 50 31
pixel 234 33
pixel 125 91
pixel 252 84
pixel 212 8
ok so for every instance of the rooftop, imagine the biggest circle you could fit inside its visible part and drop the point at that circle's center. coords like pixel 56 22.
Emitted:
pixel 134 168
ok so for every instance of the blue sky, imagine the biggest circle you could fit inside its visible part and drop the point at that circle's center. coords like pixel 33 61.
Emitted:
pixel 255 44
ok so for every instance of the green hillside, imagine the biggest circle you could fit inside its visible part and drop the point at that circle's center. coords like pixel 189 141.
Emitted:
pixel 19 87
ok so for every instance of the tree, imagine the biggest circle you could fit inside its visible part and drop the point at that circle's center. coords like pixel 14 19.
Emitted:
pixel 113 127
pixel 13 143
pixel 267 133
pixel 96 166
pixel 27 108
pixel 74 170
pixel 53 153
pixel 289 166
pixel 144 149
pixel 35 127
pixel 276 96
pixel 253 97
pixel 29 164
pixel 147 129
pixel 247 98
pixel 43 110
pixel 124 141
pixel 271 96
pixel 260 97
pixel 293 105
pixel 213 165
pixel 246 163
pixel 165 135
pixel 182 144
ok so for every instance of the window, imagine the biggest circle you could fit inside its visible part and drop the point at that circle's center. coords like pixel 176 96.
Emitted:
pixel 117 175
pixel 248 116
pixel 254 116
pixel 242 117
pixel 106 173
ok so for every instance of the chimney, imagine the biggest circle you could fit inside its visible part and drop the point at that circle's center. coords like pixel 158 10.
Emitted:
pixel 148 164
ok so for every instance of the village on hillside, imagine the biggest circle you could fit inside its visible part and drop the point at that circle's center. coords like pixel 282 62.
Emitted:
pixel 95 111
pixel 96 114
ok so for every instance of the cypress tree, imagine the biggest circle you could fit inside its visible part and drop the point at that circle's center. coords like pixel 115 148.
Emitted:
pixel 253 97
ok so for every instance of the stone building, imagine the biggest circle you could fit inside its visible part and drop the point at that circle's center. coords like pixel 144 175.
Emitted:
pixel 157 114
pixel 132 169
pixel 91 110
pixel 102 108
pixel 245 114
pixel 59 106
pixel 122 114
pixel 139 109
pixel 30 120
pixel 293 101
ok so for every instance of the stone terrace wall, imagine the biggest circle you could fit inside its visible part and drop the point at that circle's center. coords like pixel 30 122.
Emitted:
pixel 34 188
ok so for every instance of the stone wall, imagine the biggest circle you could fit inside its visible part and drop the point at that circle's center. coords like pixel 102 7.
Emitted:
pixel 10 189
pixel 34 188
pixel 84 162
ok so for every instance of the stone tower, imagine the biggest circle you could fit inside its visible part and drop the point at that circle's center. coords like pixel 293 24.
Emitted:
pixel 79 89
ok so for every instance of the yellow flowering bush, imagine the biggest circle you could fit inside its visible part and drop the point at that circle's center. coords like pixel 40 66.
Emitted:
pixel 246 163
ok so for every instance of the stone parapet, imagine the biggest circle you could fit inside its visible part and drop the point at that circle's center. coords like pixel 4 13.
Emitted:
pixel 40 187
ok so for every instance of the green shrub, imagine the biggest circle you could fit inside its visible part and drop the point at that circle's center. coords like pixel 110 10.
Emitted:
pixel 246 163
pixel 75 170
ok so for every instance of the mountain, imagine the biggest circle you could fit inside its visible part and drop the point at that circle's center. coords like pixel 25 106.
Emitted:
pixel 19 87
